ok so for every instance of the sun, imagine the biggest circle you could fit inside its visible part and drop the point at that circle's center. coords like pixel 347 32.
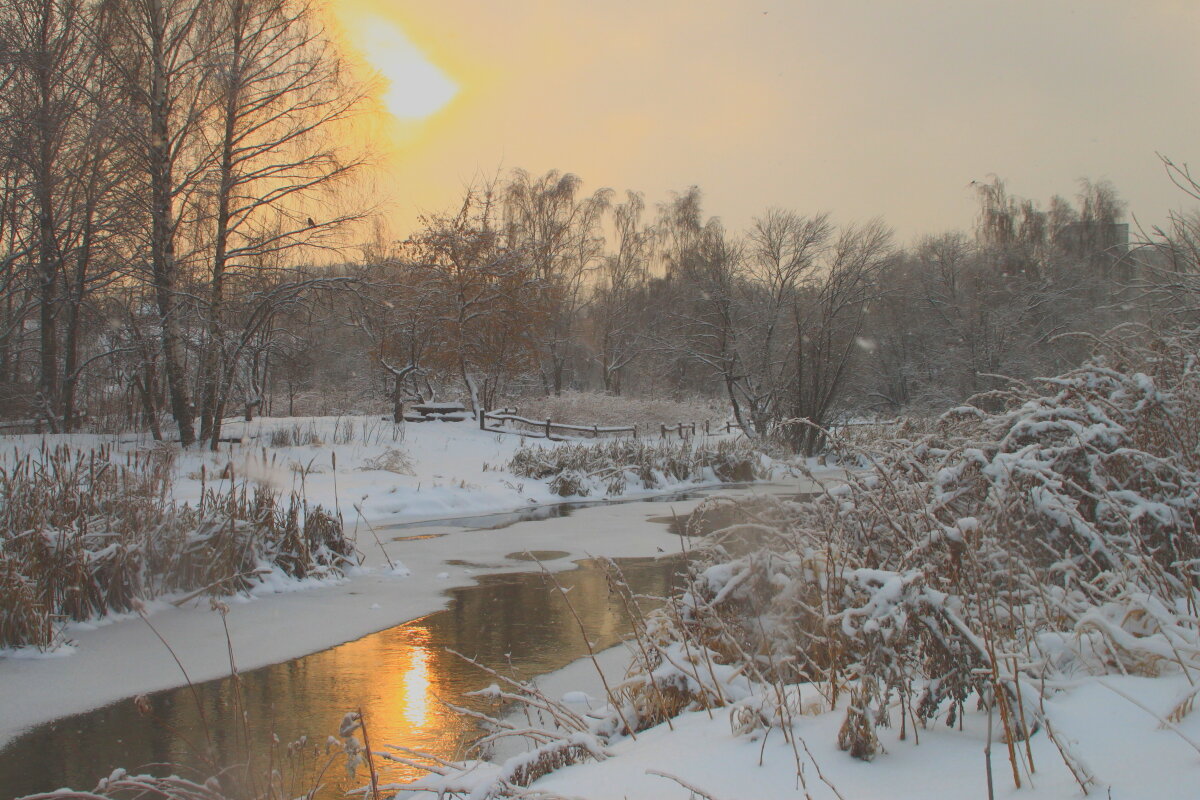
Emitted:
pixel 416 87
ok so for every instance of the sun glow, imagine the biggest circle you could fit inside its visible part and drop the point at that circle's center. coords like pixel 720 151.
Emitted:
pixel 416 87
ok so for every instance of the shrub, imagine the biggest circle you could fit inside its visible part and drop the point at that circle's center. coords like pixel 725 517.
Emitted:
pixel 296 435
pixel 82 535
pixel 390 460
pixel 607 467
pixel 1059 525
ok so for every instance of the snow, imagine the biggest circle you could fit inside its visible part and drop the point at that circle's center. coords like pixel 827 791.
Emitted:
pixel 370 468
pixel 1120 729
pixel 1124 746
pixel 458 472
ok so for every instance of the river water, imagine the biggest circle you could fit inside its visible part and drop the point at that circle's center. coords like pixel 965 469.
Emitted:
pixel 400 678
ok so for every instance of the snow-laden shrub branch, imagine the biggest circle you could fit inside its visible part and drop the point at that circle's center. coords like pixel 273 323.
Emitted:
pixel 1043 532
pixel 610 467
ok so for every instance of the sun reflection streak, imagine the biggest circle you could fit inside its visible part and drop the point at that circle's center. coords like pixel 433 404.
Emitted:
pixel 415 688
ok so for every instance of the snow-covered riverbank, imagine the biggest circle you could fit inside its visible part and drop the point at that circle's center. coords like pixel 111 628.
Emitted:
pixel 368 467
pixel 123 657
pixel 1112 724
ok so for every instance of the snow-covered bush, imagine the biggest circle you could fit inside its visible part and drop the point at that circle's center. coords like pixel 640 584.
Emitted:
pixel 608 467
pixel 1053 534
pixel 390 460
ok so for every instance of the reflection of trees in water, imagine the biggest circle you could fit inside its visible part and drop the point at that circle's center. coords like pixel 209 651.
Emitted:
pixel 527 617
pixel 518 620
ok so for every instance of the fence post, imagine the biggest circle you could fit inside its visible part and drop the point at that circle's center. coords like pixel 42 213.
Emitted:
pixel 482 420
pixel 706 427
pixel 547 427
pixel 596 431
pixel 635 431
pixel 662 430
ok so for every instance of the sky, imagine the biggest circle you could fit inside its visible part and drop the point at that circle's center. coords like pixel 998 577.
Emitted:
pixel 861 108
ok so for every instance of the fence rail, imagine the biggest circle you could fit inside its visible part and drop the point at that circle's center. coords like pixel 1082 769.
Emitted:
pixel 37 424
pixel 547 429
pixel 684 429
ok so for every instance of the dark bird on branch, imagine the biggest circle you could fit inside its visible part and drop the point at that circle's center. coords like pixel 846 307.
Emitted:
pixel 311 224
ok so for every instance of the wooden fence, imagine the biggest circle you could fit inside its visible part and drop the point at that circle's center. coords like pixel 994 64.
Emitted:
pixel 37 425
pixel 545 428
pixel 495 421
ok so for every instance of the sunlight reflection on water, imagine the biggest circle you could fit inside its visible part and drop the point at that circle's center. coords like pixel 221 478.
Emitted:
pixel 401 678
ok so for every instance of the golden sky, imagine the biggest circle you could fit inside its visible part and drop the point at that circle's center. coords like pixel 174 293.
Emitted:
pixel 857 107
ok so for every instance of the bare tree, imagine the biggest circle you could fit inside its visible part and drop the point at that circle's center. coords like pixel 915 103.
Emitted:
pixel 559 232
pixel 828 320
pixel 161 51
pixel 487 295
pixel 784 248
pixel 1169 256
pixel 48 106
pixel 704 268
pixel 617 308
pixel 279 90
pixel 399 316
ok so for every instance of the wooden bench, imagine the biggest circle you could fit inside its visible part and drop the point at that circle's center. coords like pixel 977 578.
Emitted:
pixel 438 412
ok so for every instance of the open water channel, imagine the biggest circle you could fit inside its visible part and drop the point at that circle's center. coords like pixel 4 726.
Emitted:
pixel 401 678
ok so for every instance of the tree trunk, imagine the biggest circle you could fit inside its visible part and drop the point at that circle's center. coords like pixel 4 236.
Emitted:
pixel 143 386
pixel 75 298
pixel 398 402
pixel 47 308
pixel 162 242
pixel 211 369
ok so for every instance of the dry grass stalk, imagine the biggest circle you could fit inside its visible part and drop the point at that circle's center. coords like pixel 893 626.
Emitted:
pixel 87 532
pixel 581 468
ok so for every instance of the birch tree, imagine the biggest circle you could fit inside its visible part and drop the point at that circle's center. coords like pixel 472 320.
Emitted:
pixel 279 92
pixel 161 52
pixel 559 232
pixel 617 308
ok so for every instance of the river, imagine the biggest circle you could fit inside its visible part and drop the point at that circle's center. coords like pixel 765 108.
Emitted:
pixel 401 678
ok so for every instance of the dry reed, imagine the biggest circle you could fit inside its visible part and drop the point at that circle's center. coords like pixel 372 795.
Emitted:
pixel 87 532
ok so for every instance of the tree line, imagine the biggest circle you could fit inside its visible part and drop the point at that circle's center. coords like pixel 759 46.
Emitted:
pixel 160 161
pixel 536 286
pixel 173 249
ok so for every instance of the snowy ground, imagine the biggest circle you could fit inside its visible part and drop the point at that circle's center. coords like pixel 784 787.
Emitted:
pixel 1113 724
pixel 1131 754
pixel 368 467
pixel 457 471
